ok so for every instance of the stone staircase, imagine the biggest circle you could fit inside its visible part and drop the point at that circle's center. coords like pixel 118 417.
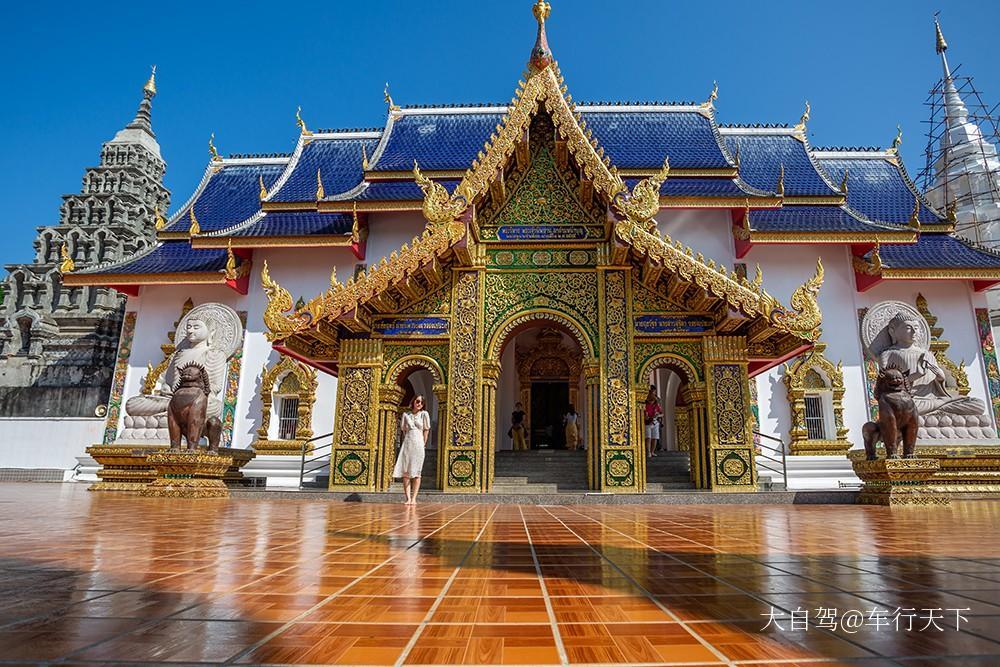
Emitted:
pixel 548 471
pixel 668 471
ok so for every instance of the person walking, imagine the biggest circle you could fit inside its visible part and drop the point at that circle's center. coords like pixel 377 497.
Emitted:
pixel 416 427
pixel 518 429
pixel 653 414
pixel 570 419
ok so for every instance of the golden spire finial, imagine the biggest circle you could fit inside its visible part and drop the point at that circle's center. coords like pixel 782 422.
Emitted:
pixel 940 46
pixel 364 157
pixel 393 107
pixel 843 183
pixel 894 149
pixel 541 10
pixel 876 258
pixel 780 189
pixel 263 188
pixel 67 265
pixel 803 119
pixel 320 192
pixel 230 261
pixel 161 222
pixel 301 123
pixel 355 225
pixel 714 95
pixel 212 150
pixel 150 86
pixel 195 228
pixel 914 220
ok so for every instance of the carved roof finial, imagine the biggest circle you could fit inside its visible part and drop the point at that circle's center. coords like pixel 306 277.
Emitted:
pixel 780 188
pixel 940 45
pixel 355 225
pixel 897 140
pixel 195 228
pixel 231 273
pixel 67 265
pixel 714 95
pixel 320 192
pixel 393 107
pixel 914 221
pixel 541 54
pixel 150 86
pixel 263 188
pixel 364 157
pixel 161 222
pixel 843 183
pixel 803 119
pixel 301 123
pixel 212 149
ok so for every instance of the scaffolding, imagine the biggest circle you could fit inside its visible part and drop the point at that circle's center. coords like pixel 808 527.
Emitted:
pixel 961 171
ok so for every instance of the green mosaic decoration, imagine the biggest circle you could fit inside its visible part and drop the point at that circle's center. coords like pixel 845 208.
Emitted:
pixel 351 467
pixel 462 468
pixel 571 292
pixel 619 467
pixel 734 466
pixel 691 351
pixel 529 258
pixel 118 382
pixel 393 353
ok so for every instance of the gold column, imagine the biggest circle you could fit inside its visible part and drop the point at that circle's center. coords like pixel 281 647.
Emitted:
pixel 464 448
pixel 694 396
pixel 730 461
pixel 619 451
pixel 390 396
pixel 491 377
pixel 592 380
pixel 355 463
pixel 441 392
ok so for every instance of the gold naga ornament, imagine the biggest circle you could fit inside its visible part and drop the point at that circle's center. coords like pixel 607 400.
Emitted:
pixel 643 203
pixel 806 316
pixel 161 222
pixel 279 303
pixel 439 207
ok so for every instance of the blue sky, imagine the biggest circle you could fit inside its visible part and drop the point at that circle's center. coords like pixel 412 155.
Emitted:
pixel 73 72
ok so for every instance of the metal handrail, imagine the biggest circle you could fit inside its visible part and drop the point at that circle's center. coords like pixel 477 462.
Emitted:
pixel 780 449
pixel 306 450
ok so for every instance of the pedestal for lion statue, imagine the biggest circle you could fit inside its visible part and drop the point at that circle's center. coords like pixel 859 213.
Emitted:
pixel 948 426
pixel 145 454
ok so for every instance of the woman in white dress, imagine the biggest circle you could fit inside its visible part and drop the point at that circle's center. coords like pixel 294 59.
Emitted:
pixel 416 427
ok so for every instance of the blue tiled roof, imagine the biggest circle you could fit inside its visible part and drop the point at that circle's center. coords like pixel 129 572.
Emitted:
pixel 809 219
pixel 697 187
pixel 761 158
pixel 436 141
pixel 938 251
pixel 641 139
pixel 397 191
pixel 298 223
pixel 231 196
pixel 876 188
pixel 168 257
pixel 338 161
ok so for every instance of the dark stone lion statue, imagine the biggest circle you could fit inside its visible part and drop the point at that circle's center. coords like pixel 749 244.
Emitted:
pixel 186 414
pixel 897 417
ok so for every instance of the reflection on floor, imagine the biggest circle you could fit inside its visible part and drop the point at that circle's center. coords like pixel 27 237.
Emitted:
pixel 91 578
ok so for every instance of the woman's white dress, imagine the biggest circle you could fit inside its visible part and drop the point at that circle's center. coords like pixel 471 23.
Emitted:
pixel 410 461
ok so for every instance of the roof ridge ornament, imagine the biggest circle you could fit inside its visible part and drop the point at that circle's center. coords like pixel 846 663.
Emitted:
pixel 439 207
pixel 161 222
pixel 195 227
pixel 393 107
pixel 914 220
pixel 301 123
pixel 67 265
pixel 263 188
pixel 800 127
pixel 541 55
pixel 364 157
pixel 843 182
pixel 714 95
pixel 894 148
pixel 320 192
pixel 940 45
pixel 231 273
pixel 150 86
pixel 780 187
pixel 212 150
pixel 355 225
pixel 643 203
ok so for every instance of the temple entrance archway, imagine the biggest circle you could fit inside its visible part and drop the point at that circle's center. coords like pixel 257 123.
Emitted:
pixel 681 392
pixel 540 363
pixel 407 378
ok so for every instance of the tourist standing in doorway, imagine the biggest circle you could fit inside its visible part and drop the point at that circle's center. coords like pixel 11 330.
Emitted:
pixel 416 427
pixel 653 415
pixel 518 429
pixel 570 419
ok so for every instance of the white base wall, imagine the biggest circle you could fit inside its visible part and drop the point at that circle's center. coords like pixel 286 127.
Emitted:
pixel 45 442
pixel 813 472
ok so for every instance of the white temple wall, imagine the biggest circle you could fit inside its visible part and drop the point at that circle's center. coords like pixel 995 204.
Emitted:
pixel 706 231
pixel 785 268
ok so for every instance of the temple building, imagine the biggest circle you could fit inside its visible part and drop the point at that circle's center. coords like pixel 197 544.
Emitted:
pixel 58 342
pixel 555 253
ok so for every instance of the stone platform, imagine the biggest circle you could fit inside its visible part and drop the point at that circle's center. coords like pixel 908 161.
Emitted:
pixel 126 467
pixel 896 482
pixel 188 474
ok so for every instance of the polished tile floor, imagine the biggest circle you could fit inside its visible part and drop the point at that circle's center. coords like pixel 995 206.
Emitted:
pixel 88 579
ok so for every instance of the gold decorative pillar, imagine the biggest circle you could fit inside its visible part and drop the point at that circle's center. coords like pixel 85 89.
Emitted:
pixel 731 464
pixel 592 415
pixel 389 398
pixel 694 396
pixel 488 425
pixel 619 451
pixel 441 392
pixel 355 463
pixel 682 428
pixel 463 450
